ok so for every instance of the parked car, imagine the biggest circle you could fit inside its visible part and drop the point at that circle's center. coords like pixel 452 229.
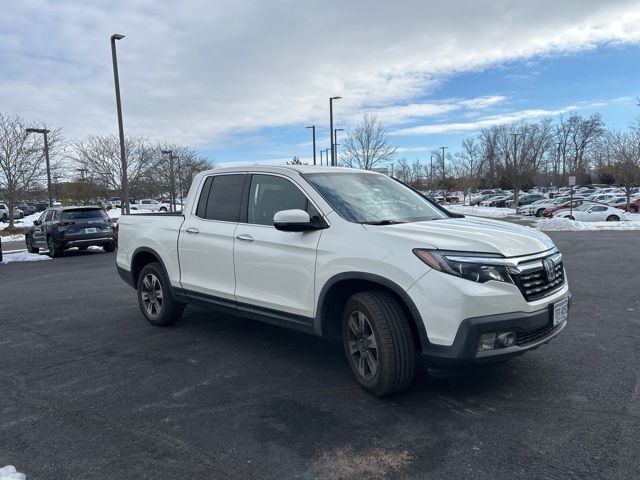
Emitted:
pixel 634 206
pixel 60 228
pixel 529 198
pixel 570 204
pixel 4 213
pixel 41 206
pixel 503 202
pixel 150 205
pixel 27 209
pixel 539 208
pixel 588 212
pixel 492 200
pixel 351 255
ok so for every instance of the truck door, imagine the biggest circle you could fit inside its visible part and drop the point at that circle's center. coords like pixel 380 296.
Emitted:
pixel 205 244
pixel 275 270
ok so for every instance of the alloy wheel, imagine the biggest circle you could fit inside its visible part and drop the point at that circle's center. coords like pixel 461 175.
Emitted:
pixel 151 294
pixel 363 346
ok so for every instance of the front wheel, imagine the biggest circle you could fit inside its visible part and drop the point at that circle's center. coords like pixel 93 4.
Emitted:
pixel 378 342
pixel 30 248
pixel 633 209
pixel 613 218
pixel 155 298
pixel 540 212
pixel 163 209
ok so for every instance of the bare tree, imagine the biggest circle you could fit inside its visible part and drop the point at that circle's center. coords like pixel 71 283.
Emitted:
pixel 99 156
pixel 295 161
pixel 367 145
pixel 403 171
pixel 22 164
pixel 625 167
pixel 467 165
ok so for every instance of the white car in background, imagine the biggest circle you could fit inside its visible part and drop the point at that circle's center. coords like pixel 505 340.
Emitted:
pixel 588 212
pixel 538 208
pixel 602 197
pixel 490 200
pixel 150 205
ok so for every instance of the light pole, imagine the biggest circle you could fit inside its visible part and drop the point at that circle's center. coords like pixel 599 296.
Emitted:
pixel 44 132
pixel 313 128
pixel 444 189
pixel 326 156
pixel 331 127
pixel 123 158
pixel 321 151
pixel 431 173
pixel 335 143
pixel 172 179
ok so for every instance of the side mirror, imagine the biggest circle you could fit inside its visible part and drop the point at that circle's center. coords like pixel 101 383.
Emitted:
pixel 37 222
pixel 295 221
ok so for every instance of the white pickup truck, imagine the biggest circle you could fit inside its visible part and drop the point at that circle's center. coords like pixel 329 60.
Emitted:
pixel 352 255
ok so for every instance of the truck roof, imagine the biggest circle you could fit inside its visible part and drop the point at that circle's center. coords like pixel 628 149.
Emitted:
pixel 283 168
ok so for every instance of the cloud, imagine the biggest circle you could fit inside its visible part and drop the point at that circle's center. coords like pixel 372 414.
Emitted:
pixel 484 122
pixel 199 73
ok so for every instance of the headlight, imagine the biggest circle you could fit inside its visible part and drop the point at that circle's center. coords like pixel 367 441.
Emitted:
pixel 471 266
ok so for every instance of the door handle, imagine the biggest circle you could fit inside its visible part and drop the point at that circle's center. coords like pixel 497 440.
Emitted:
pixel 245 237
pixel 192 230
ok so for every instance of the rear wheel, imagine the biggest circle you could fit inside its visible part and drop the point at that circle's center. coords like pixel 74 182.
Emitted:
pixel 109 247
pixel 613 218
pixel 378 342
pixel 155 298
pixel 633 209
pixel 163 209
pixel 54 251
pixel 539 212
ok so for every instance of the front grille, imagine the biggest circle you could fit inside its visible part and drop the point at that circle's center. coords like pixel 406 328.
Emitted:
pixel 535 284
pixel 523 338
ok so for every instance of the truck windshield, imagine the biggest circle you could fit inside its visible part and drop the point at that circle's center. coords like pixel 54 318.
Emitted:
pixel 372 198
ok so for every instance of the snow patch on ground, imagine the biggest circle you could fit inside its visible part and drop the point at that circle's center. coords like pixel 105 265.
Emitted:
pixel 493 212
pixel 23 222
pixel 22 257
pixel 13 238
pixel 564 224
pixel 9 473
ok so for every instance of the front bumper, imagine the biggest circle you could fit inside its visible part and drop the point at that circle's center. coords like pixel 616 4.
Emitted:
pixel 532 330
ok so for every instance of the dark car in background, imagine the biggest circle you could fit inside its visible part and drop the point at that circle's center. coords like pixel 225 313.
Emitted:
pixel 27 209
pixel 41 206
pixel 60 228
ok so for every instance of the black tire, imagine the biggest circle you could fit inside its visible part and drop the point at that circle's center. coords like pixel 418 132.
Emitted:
pixel 53 250
pixel 613 218
pixel 109 247
pixel 633 209
pixel 163 209
pixel 570 217
pixel 160 310
pixel 389 366
pixel 540 212
pixel 30 248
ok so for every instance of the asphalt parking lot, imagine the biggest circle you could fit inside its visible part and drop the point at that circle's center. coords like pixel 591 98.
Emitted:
pixel 89 390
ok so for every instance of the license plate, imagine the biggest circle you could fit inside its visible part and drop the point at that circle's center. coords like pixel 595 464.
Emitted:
pixel 91 230
pixel 560 311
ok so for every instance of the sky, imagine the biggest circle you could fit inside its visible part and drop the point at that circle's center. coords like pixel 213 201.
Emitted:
pixel 240 80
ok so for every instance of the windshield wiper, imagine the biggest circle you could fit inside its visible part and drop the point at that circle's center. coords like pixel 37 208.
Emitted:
pixel 382 222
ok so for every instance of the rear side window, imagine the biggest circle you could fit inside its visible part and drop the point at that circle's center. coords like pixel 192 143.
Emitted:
pixel 84 213
pixel 224 195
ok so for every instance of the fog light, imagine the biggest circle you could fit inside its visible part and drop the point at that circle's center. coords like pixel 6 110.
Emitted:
pixel 487 342
pixel 506 339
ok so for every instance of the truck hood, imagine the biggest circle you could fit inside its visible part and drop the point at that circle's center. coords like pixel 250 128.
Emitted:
pixel 470 235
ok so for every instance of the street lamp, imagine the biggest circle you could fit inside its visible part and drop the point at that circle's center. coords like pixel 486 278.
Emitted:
pixel 331 127
pixel 44 132
pixel 335 142
pixel 444 189
pixel 172 177
pixel 326 156
pixel 321 151
pixel 313 128
pixel 123 159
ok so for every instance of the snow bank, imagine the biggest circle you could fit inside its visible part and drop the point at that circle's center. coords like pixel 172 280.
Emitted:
pixel 493 212
pixel 9 473
pixel 564 224
pixel 23 222
pixel 22 257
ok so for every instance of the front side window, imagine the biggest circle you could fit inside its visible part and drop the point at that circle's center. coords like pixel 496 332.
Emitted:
pixel 270 194
pixel 372 198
